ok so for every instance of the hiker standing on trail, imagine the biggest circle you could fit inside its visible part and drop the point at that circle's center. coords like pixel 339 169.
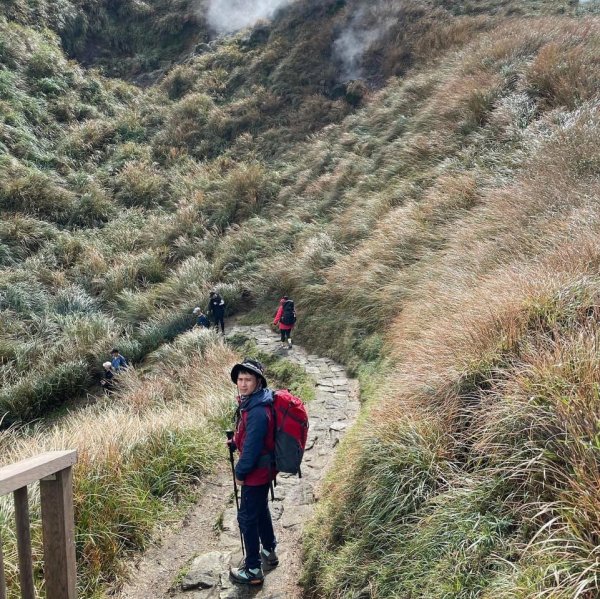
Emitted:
pixel 254 438
pixel 201 318
pixel 117 360
pixel 216 307
pixel 286 318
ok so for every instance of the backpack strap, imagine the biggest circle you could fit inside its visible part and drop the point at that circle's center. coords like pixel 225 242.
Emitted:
pixel 272 476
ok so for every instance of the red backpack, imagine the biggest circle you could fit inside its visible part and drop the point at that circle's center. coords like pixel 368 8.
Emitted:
pixel 291 431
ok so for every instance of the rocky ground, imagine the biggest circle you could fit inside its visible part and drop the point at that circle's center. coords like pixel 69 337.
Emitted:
pixel 193 561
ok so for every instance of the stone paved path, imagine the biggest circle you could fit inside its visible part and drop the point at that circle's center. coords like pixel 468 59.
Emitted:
pixel 210 556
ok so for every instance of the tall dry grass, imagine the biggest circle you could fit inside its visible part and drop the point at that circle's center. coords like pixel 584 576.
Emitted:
pixel 474 471
pixel 140 450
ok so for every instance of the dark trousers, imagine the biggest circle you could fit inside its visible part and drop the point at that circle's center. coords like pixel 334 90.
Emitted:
pixel 255 523
pixel 219 319
pixel 285 334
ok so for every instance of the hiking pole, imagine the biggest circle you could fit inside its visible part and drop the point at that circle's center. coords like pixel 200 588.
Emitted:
pixel 235 488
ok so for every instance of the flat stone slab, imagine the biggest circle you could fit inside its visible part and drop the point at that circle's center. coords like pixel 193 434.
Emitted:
pixel 203 594
pixel 338 426
pixel 310 442
pixel 297 516
pixel 303 495
pixel 280 492
pixel 205 571
pixel 340 417
pixel 327 383
pixel 276 509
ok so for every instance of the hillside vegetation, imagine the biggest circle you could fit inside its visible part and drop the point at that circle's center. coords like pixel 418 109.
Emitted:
pixel 435 218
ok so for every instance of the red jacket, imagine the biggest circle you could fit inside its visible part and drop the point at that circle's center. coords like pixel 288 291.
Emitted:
pixel 282 327
pixel 255 439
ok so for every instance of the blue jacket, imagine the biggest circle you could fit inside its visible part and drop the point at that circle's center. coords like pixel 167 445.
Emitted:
pixel 118 363
pixel 254 438
pixel 202 321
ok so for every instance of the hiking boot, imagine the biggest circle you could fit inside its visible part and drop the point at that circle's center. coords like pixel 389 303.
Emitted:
pixel 269 558
pixel 243 575
pixel 290 343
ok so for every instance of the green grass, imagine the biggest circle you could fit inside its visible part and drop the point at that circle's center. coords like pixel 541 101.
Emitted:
pixel 280 373
pixel 141 452
pixel 436 226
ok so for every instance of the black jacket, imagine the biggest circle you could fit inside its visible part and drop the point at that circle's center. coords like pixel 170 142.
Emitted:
pixel 216 305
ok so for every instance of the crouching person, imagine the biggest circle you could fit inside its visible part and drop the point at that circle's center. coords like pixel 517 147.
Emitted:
pixel 108 378
pixel 254 472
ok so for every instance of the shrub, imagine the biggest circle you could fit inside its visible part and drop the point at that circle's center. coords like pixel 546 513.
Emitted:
pixel 25 236
pixel 92 210
pixel 246 191
pixel 44 63
pixel 23 296
pixel 91 136
pixel 141 185
pixel 73 300
pixel 180 81
pixel 36 394
pixel 162 328
pixel 196 124
pixel 135 271
pixel 564 74
pixel 37 194
pixel 177 353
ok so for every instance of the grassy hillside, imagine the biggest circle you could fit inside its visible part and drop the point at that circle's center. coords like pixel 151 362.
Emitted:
pixel 435 221
pixel 126 38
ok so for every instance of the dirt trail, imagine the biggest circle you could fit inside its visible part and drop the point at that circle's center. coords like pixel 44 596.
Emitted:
pixel 196 555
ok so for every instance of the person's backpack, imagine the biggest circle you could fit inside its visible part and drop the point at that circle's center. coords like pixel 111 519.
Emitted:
pixel 291 431
pixel 289 313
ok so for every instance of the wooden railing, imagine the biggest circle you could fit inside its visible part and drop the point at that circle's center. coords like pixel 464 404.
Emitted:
pixel 54 471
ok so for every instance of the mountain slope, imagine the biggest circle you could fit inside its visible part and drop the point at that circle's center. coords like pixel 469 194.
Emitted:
pixel 435 222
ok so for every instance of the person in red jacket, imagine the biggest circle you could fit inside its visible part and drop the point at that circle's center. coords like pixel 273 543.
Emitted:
pixel 286 318
pixel 254 438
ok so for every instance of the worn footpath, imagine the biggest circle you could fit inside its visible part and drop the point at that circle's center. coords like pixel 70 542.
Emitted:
pixel 193 561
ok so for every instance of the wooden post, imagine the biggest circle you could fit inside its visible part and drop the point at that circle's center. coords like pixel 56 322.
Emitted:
pixel 58 527
pixel 54 469
pixel 24 543
pixel 2 577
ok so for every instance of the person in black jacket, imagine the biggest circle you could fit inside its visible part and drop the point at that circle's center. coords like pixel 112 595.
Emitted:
pixel 216 307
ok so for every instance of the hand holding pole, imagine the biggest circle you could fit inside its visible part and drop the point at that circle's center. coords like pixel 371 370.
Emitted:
pixel 229 434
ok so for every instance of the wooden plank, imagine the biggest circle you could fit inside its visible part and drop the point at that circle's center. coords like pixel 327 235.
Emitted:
pixel 24 543
pixel 2 577
pixel 58 524
pixel 21 474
